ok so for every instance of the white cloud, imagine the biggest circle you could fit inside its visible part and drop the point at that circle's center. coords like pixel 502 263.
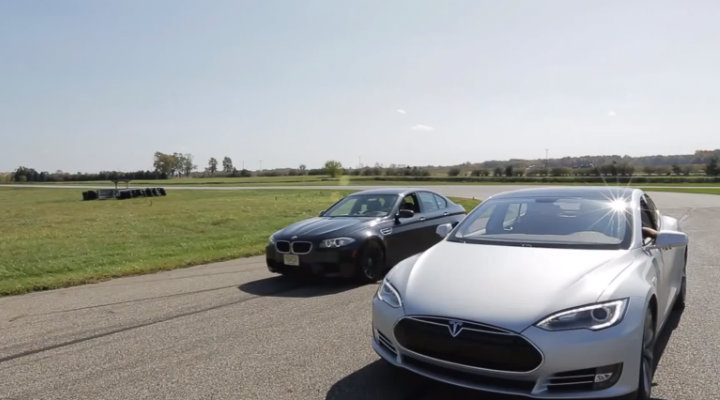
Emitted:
pixel 611 113
pixel 401 111
pixel 421 127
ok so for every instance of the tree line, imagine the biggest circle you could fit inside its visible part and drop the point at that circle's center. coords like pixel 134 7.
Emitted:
pixel 169 165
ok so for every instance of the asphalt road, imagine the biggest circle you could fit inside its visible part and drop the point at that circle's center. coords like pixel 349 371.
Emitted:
pixel 232 330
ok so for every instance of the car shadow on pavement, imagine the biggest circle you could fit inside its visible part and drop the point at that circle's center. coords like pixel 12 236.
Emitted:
pixel 284 286
pixel 379 380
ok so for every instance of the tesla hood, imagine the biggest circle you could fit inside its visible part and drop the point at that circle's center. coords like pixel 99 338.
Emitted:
pixel 506 286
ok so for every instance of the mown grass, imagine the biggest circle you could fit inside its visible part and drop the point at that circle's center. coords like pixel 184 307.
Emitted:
pixel 51 239
pixel 708 190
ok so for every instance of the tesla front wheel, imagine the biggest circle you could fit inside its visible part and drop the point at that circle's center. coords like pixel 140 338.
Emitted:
pixel 647 359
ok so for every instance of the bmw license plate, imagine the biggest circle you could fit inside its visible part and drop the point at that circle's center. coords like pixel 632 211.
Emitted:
pixel 291 259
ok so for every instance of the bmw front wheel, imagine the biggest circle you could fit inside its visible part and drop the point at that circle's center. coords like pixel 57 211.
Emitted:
pixel 371 262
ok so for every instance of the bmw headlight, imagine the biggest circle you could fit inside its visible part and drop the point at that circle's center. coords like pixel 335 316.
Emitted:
pixel 593 317
pixel 335 242
pixel 387 293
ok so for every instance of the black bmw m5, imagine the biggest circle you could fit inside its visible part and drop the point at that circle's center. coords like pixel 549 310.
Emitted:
pixel 363 235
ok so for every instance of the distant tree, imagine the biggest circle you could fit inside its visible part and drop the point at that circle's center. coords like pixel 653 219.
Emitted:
pixel 676 169
pixel 479 172
pixel 165 164
pixel 186 164
pixel 711 168
pixel 454 172
pixel 560 171
pixel 212 165
pixel 333 168
pixel 689 169
pixel 497 171
pixel 23 174
pixel 303 169
pixel 509 170
pixel 227 165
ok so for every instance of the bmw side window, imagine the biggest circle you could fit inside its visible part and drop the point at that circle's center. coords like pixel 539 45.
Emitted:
pixel 441 202
pixel 410 202
pixel 427 201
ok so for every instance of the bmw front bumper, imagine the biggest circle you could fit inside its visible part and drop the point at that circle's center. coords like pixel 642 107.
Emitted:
pixel 569 359
pixel 320 262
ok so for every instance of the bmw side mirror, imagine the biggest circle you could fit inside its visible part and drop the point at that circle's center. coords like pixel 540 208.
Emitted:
pixel 405 214
pixel 321 213
pixel 669 239
pixel 443 230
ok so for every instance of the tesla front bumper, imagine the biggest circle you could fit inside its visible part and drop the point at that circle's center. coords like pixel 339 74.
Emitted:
pixel 572 361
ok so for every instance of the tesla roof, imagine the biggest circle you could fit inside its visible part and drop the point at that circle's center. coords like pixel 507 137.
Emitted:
pixel 571 191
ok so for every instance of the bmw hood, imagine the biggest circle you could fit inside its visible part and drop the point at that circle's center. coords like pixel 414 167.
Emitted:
pixel 322 226
pixel 505 286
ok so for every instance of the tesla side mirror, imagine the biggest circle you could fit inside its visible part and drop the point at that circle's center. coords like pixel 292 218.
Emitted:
pixel 443 230
pixel 668 239
pixel 405 213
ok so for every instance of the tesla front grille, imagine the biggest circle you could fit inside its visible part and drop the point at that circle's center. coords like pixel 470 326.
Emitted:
pixel 301 247
pixel 383 340
pixel 572 380
pixel 469 344
pixel 282 246
pixel 468 378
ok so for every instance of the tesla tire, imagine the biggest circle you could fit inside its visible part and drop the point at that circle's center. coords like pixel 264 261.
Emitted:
pixel 647 359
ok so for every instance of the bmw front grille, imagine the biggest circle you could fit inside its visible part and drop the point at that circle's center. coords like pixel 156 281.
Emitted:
pixel 297 247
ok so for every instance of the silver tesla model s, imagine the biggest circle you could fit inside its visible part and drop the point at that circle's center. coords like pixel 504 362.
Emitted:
pixel 545 293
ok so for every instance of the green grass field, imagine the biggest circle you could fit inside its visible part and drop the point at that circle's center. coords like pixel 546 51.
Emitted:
pixel 50 239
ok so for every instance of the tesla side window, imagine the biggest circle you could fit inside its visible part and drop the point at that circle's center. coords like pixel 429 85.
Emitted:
pixel 648 217
pixel 549 222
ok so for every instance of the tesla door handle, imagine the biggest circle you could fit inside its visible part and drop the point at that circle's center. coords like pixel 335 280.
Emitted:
pixel 422 218
pixel 445 213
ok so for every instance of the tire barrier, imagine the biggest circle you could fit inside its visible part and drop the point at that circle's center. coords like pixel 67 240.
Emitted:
pixel 122 194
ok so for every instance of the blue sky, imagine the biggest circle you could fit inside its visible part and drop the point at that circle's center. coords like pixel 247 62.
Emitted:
pixel 102 85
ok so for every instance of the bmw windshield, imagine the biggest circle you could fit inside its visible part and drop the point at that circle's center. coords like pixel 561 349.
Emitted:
pixel 367 205
pixel 549 222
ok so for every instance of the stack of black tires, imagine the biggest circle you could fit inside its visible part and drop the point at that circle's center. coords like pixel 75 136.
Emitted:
pixel 123 194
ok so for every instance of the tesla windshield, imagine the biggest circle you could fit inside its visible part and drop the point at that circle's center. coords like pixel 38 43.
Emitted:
pixel 369 205
pixel 549 222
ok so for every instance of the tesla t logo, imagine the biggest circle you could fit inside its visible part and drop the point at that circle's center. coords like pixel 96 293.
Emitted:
pixel 455 327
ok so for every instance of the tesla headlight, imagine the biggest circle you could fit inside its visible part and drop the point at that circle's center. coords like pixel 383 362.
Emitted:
pixel 387 293
pixel 594 317
pixel 335 242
